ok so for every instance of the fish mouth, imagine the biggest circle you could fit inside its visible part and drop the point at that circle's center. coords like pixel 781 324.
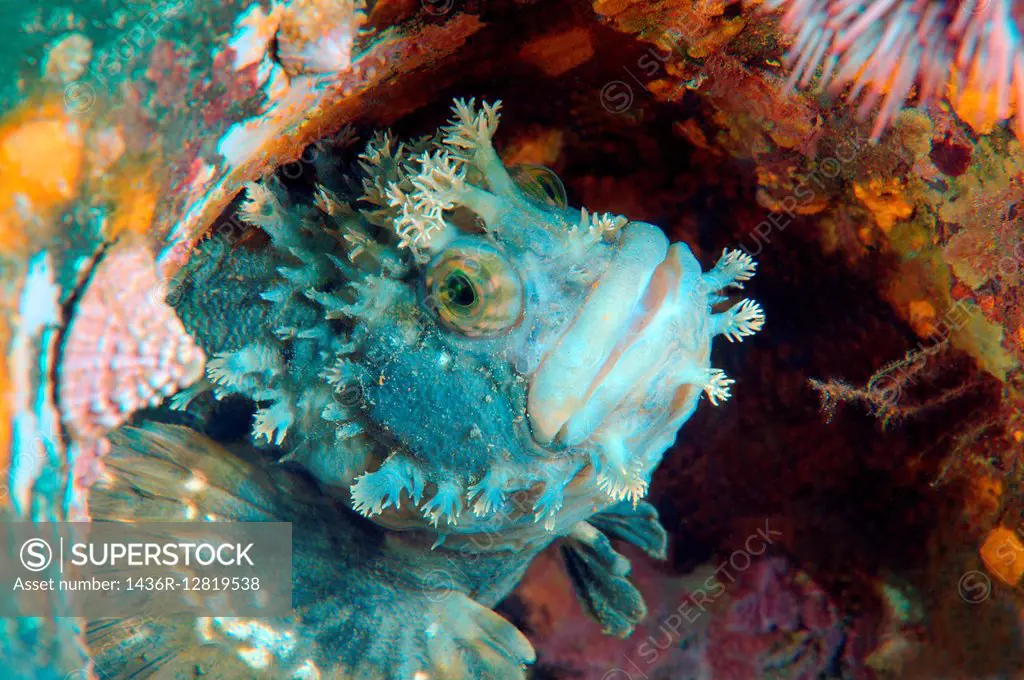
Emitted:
pixel 622 362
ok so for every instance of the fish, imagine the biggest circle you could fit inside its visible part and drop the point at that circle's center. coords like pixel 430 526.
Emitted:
pixel 440 372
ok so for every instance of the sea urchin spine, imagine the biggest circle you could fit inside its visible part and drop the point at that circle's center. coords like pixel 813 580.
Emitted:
pixel 886 47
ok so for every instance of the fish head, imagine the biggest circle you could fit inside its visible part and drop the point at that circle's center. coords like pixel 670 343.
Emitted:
pixel 537 360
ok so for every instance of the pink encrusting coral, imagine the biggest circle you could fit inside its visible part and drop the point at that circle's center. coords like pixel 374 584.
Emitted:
pixel 883 48
pixel 126 349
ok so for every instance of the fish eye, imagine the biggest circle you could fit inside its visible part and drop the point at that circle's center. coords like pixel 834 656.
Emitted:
pixel 474 290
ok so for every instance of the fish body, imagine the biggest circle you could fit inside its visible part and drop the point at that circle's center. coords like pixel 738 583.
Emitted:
pixel 462 372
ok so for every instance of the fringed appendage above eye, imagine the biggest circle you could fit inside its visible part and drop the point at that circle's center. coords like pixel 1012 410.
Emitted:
pixel 469 134
pixel 414 185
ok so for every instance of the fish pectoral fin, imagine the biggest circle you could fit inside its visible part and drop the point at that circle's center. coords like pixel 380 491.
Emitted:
pixel 599 575
pixel 404 628
pixel 637 524
pixel 463 639
pixel 361 609
pixel 415 637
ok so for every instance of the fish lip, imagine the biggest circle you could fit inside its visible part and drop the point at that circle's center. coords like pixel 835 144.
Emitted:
pixel 660 295
pixel 632 306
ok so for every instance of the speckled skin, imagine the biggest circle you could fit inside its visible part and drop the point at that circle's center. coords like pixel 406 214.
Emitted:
pixel 451 437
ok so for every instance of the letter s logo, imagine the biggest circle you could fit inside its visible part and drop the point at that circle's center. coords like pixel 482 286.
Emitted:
pixel 36 554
